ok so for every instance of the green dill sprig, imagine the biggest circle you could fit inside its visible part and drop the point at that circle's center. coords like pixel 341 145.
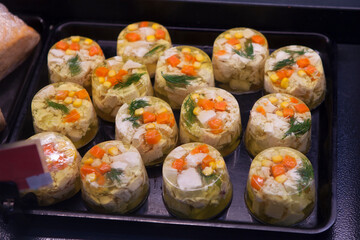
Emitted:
pixel 58 106
pixel 292 52
pixel 189 106
pixel 306 174
pixel 248 52
pixel 137 104
pixel 74 65
pixel 177 80
pixel 134 120
pixel 154 50
pixel 114 175
pixel 133 78
pixel 283 63
pixel 209 179
pixel 298 128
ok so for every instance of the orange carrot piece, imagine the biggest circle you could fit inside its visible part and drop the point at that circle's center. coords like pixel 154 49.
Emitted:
pixel 281 73
pixel 288 112
pixel 173 60
pixel 278 169
pixel 310 70
pixel 149 117
pixel 160 34
pixel 206 104
pixel 97 151
pixel 94 50
pixel 143 24
pixel 289 162
pixel 100 179
pixel 163 118
pixel 301 108
pixel 86 169
pixel 206 161
pixel 189 58
pixel 62 45
pixel 75 46
pixel 220 52
pixel 293 100
pixel 104 168
pixel 303 62
pixel 152 136
pixel 132 37
pixel 257 182
pixel 171 120
pixel 261 110
pixel 113 80
pixel 122 72
pixel 233 41
pixel 82 94
pixel 61 94
pixel 216 125
pixel 101 71
pixel 48 148
pixel 73 116
pixel 188 70
pixel 288 72
pixel 200 149
pixel 258 39
pixel 178 164
pixel 220 106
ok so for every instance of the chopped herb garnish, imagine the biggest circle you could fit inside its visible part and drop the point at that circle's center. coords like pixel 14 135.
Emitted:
pixel 248 52
pixel 154 50
pixel 209 179
pixel 298 128
pixel 133 78
pixel 283 63
pixel 292 52
pixel 74 65
pixel 177 80
pixel 189 106
pixel 137 104
pixel 58 106
pixel 114 175
pixel 134 121
pixel 306 175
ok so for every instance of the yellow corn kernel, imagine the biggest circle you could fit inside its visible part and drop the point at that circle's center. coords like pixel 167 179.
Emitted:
pixel 301 73
pixel 71 94
pixel 207 171
pixel 91 177
pixel 197 65
pixel 273 99
pixel 77 103
pixel 277 158
pixel 199 57
pixel 274 77
pixel 107 84
pixel 155 26
pixel 238 46
pixel 150 126
pixel 68 100
pixel 139 111
pixel 150 38
pixel 284 104
pixel 133 27
pixel 75 39
pixel 279 113
pixel 101 80
pixel 186 50
pixel 112 73
pixel 266 163
pixel 163 109
pixel 194 96
pixel 88 41
pixel 212 165
pixel 113 151
pixel 281 178
pixel 197 110
pixel 220 163
pixel 227 36
pixel 70 52
pixel 88 161
pixel 284 83
pixel 239 35
pixel 219 99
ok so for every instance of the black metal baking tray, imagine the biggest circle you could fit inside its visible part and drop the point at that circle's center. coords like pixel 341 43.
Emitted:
pixel 13 87
pixel 322 153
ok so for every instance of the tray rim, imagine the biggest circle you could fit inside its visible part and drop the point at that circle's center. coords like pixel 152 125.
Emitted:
pixel 183 222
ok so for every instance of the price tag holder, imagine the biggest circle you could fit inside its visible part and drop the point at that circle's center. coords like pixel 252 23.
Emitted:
pixel 24 163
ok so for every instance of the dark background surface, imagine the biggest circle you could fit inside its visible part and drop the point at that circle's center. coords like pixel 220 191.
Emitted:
pixel 337 19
